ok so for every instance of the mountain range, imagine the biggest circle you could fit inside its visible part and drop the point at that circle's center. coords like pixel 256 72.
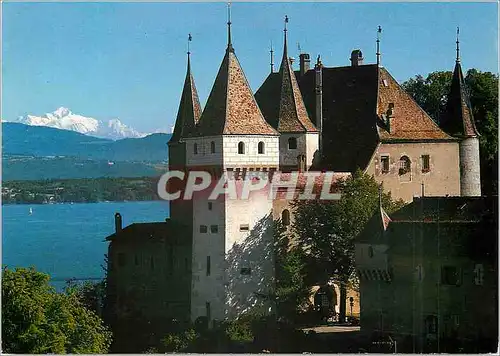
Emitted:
pixel 38 152
pixel 63 118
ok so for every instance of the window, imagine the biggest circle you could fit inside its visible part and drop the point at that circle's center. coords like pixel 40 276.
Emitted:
pixel 478 275
pixel 370 251
pixel 208 266
pixel 244 227
pixel 285 217
pixel 210 205
pixel 431 324
pixel 214 229
pixel 237 173
pixel 195 148
pixel 404 165
pixel 451 275
pixel 212 147
pixel 208 311
pixel 203 229
pixel 419 272
pixel 292 143
pixel 261 147
pixel 136 260
pixel 425 163
pixel 152 262
pixel 384 162
pixel 122 259
pixel 241 148
pixel 186 264
pixel 230 173
pixel 246 271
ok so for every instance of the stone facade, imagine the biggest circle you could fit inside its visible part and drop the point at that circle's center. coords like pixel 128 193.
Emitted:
pixel 440 177
pixel 431 275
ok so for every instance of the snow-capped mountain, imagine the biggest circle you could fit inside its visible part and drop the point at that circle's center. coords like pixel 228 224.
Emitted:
pixel 64 119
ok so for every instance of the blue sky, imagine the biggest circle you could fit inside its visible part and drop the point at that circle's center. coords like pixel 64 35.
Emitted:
pixel 128 60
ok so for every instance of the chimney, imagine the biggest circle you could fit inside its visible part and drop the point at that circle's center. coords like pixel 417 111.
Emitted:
pixel 356 58
pixel 305 63
pixel 118 223
pixel 390 116
pixel 318 68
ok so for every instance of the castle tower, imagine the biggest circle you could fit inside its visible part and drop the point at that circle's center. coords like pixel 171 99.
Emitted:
pixel 187 117
pixel 299 138
pixel 232 238
pixel 459 122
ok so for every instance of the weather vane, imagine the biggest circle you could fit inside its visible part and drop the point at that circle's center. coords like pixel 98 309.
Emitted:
pixel 190 38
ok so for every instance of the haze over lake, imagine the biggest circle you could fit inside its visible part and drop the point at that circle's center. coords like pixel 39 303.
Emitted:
pixel 67 240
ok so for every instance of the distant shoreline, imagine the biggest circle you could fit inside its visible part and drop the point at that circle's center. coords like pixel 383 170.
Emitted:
pixel 85 190
pixel 87 202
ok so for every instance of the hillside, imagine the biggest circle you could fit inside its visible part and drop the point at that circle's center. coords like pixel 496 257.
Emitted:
pixel 38 141
pixel 35 152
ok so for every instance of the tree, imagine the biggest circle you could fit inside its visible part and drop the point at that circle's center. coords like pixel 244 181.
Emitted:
pixel 431 94
pixel 36 319
pixel 291 291
pixel 326 230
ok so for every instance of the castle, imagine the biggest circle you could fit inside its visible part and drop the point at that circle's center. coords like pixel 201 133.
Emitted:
pixel 323 119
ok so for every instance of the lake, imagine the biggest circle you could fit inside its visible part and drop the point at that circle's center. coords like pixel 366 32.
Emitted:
pixel 68 240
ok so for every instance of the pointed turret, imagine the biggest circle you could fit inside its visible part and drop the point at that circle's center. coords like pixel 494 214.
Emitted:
pixel 457 119
pixel 293 115
pixel 231 108
pixel 189 108
pixel 459 122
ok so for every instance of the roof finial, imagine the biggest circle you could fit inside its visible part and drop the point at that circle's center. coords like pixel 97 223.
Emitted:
pixel 285 50
pixel 272 57
pixel 458 45
pixel 379 31
pixel 190 38
pixel 229 44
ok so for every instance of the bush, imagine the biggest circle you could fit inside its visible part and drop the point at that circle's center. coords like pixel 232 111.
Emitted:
pixel 179 342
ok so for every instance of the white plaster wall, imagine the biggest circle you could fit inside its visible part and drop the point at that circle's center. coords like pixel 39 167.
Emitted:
pixel 312 145
pixel 251 157
pixel 252 249
pixel 204 156
pixel 208 288
pixel 288 157
pixel 470 169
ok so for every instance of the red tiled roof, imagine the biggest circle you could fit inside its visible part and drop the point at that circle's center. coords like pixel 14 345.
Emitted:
pixel 410 121
pixel 231 108
pixel 189 108
pixel 292 115
pixel 457 120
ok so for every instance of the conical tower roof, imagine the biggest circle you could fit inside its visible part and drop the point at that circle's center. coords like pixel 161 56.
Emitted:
pixel 189 108
pixel 457 119
pixel 231 108
pixel 293 115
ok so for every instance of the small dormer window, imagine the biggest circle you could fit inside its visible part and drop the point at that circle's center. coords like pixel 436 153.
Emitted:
pixel 292 143
pixel 212 147
pixel 241 148
pixel 195 148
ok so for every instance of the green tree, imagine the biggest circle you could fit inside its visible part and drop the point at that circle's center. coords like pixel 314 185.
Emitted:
pixel 431 94
pixel 36 319
pixel 291 290
pixel 326 230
